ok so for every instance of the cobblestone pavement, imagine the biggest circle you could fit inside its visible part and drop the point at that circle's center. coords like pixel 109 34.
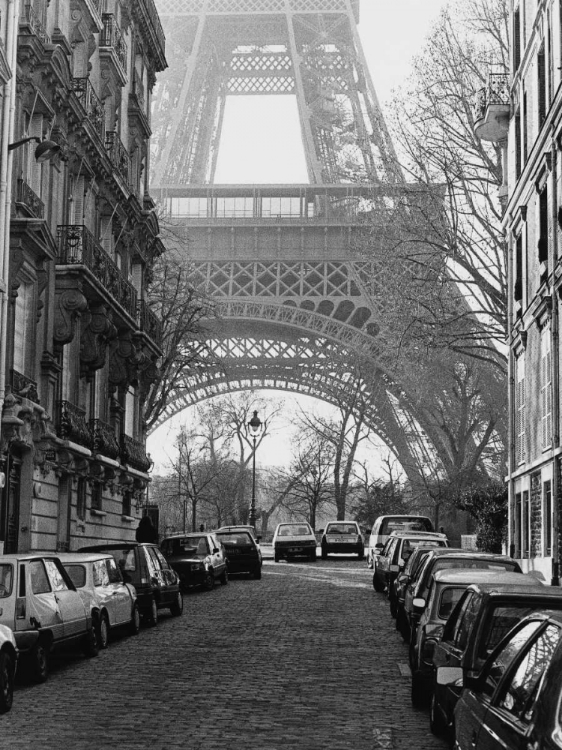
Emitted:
pixel 305 659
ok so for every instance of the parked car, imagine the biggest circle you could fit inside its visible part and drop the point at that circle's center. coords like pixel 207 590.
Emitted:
pixel 294 540
pixel 385 525
pixel 445 589
pixel 242 552
pixel 343 537
pixel 408 573
pixel 485 613
pixel 8 664
pixel 40 604
pixel 514 702
pixel 98 579
pixel 198 558
pixel 144 565
pixel 396 551
pixel 250 530
pixel 440 560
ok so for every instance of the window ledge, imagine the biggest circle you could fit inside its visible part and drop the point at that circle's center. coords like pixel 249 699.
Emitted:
pixel 128 519
pixel 96 512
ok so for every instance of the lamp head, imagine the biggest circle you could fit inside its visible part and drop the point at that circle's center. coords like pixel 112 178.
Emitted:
pixel 255 425
pixel 46 150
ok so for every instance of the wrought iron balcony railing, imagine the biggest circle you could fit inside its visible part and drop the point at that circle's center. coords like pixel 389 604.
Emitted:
pixel 118 155
pixel 23 386
pixel 149 323
pixel 77 245
pixel 104 439
pixel 26 196
pixel 30 20
pixel 133 453
pixel 91 103
pixel 72 424
pixel 112 37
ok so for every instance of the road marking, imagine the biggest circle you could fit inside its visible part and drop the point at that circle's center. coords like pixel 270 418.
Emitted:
pixel 320 579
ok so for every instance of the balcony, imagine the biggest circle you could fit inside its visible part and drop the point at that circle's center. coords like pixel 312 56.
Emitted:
pixel 150 324
pixel 113 44
pixel 72 424
pixel 91 104
pixel 23 387
pixel 30 23
pixel 119 156
pixel 78 246
pixel 27 198
pixel 492 109
pixel 133 453
pixel 104 439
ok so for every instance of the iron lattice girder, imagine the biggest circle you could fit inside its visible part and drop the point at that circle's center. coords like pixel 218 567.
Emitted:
pixel 309 48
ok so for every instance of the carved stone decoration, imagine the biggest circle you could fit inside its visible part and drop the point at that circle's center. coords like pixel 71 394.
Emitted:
pixel 69 305
pixel 124 360
pixel 97 330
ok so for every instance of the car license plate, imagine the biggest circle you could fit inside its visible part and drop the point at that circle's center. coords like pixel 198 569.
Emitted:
pixel 295 549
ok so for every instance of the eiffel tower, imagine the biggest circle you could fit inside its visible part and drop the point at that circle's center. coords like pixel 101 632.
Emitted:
pixel 296 302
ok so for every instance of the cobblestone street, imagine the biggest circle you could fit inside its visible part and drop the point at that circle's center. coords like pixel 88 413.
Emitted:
pixel 305 659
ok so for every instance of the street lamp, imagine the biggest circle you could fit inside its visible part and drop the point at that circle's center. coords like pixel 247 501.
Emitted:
pixel 255 427
pixel 44 151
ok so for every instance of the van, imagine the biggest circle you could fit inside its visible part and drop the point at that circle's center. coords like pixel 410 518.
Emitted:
pixel 385 525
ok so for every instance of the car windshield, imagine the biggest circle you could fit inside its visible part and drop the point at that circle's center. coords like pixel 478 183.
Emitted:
pixel 400 523
pixel 341 528
pixel 6 578
pixel 294 529
pixel 194 545
pixel 449 597
pixel 77 574
pixel 235 538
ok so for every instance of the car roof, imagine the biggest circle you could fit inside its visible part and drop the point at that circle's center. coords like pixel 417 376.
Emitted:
pixel 329 522
pixel 459 554
pixel 460 575
pixel 236 527
pixel 530 586
pixel 83 557
pixel 187 535
pixel 114 545
pixel 22 556
pixel 418 534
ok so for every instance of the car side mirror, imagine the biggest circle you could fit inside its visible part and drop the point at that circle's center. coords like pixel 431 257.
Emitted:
pixel 215 550
pixel 449 676
pixel 418 602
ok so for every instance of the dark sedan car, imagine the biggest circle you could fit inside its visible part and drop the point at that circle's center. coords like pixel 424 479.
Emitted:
pixel 434 562
pixel 408 573
pixel 515 701
pixel 483 616
pixel 199 559
pixel 242 552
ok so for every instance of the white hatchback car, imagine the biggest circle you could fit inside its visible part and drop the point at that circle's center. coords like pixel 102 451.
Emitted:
pixel 294 540
pixel 100 583
pixel 8 661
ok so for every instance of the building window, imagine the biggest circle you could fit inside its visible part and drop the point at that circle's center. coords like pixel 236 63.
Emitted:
pixel 81 499
pixel 520 416
pixel 127 496
pixel 543 226
pixel 546 389
pixel 24 327
pixel 516 40
pixel 525 525
pixel 517 523
pixel 518 285
pixel 547 516
pixel 130 413
pixel 518 143
pixel 97 496
pixel 525 128
pixel 542 85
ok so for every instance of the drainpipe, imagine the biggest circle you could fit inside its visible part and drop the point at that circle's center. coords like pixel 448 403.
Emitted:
pixel 6 159
pixel 555 380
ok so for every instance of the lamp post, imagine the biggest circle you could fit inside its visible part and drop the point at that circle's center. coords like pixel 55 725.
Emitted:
pixel 255 427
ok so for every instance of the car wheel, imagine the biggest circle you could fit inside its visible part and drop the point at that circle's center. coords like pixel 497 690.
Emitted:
pixel 176 609
pixel 361 554
pixel 209 581
pixel 436 721
pixel 313 556
pixel 377 585
pixel 276 557
pixel 134 625
pixel 257 573
pixel 402 625
pixel 152 615
pixel 324 553
pixel 224 577
pixel 419 692
pixel 90 644
pixel 102 627
pixel 7 673
pixel 39 661
pixel 393 606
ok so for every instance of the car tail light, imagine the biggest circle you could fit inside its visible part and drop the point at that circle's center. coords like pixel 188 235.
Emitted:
pixel 144 580
pixel 20 608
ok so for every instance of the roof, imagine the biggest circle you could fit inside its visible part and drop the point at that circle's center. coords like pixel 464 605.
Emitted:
pixel 470 575
pixel 82 557
pixel 462 553
pixel 418 534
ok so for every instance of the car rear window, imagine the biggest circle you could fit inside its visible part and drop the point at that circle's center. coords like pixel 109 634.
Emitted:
pixel 6 580
pixel 501 621
pixel 239 538
pixel 77 574
pixel 341 528
pixel 125 558
pixel 449 597
pixel 408 545
pixel 294 529
pixel 402 523
pixel 443 563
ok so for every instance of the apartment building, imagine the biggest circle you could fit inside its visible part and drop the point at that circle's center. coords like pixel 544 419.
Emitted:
pixel 79 345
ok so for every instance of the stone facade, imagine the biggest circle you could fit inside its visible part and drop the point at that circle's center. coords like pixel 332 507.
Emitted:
pixel 81 345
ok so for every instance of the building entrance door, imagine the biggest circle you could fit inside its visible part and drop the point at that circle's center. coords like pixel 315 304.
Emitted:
pixel 10 508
